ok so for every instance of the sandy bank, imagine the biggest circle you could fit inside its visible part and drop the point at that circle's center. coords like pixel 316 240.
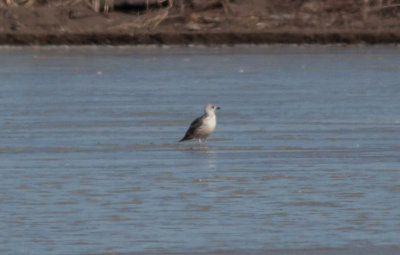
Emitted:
pixel 221 22
pixel 200 38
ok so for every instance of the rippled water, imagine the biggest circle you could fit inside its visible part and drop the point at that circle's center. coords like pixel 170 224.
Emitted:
pixel 306 153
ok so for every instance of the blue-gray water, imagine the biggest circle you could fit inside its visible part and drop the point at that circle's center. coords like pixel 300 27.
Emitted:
pixel 306 153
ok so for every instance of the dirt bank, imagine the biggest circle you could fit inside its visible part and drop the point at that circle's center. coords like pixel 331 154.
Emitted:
pixel 202 22
pixel 200 38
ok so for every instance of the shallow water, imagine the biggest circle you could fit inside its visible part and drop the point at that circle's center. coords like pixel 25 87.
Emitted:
pixel 306 153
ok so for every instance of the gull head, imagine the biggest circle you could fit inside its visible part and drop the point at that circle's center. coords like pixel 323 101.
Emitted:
pixel 211 108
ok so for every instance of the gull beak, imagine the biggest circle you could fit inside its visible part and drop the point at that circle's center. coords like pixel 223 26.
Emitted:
pixel 218 107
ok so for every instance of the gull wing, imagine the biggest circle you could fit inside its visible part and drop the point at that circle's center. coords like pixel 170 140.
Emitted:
pixel 193 127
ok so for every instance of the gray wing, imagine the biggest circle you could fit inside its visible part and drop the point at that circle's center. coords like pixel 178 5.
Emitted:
pixel 193 127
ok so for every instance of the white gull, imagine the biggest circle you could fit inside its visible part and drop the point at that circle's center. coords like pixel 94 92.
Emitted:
pixel 203 126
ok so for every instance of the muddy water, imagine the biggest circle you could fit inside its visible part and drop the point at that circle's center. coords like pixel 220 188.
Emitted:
pixel 306 153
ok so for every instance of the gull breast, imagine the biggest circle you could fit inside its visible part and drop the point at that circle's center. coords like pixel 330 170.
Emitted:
pixel 207 127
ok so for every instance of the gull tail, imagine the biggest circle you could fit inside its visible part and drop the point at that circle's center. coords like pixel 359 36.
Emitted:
pixel 185 138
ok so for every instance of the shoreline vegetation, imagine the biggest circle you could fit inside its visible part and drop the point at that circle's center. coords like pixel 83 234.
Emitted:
pixel 182 22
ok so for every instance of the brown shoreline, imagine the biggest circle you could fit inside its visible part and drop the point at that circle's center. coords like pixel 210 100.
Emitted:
pixel 203 22
pixel 203 38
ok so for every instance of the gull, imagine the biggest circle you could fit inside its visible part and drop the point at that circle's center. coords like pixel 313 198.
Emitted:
pixel 203 126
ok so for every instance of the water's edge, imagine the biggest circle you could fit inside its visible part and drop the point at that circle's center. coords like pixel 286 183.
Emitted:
pixel 201 38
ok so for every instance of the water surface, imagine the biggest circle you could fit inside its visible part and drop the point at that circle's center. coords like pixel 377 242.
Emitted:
pixel 306 153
